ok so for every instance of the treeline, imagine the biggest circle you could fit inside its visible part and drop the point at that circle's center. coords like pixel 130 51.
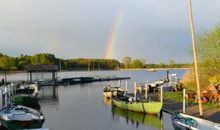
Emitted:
pixel 16 63
pixel 129 63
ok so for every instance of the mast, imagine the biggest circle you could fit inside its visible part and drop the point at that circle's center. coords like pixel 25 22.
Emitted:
pixel 195 57
pixel 60 66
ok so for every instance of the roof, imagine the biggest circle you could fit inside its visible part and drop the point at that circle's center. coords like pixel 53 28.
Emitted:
pixel 41 68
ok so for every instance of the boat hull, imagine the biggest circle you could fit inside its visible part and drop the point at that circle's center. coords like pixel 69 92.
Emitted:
pixel 17 125
pixel 144 107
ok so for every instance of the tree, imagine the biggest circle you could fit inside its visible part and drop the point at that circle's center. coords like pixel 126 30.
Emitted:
pixel 209 57
pixel 137 63
pixel 127 61
pixel 172 63
pixel 5 64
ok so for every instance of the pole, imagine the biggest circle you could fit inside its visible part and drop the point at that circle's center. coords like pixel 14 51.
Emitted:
pixel 5 77
pixel 161 93
pixel 195 57
pixel 60 66
pixel 126 87
pixel 135 90
pixel 6 96
pixel 1 102
pixel 146 89
pixel 184 100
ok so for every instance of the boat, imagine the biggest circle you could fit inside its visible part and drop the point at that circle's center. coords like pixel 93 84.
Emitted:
pixel 27 89
pixel 16 117
pixel 137 105
pixel 77 80
pixel 182 121
pixel 26 100
pixel 109 91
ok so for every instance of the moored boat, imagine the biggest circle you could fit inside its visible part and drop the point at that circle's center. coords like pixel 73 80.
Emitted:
pixel 182 121
pixel 27 89
pixel 109 92
pixel 18 117
pixel 142 105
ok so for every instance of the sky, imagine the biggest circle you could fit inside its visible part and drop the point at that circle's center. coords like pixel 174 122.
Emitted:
pixel 154 30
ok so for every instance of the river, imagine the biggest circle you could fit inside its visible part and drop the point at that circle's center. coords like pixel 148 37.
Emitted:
pixel 81 106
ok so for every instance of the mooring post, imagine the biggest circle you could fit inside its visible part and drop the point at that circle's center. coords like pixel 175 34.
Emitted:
pixel 184 100
pixel 161 93
pixel 135 90
pixel 146 89
pixel 9 94
pixel 126 87
pixel 1 96
pixel 6 96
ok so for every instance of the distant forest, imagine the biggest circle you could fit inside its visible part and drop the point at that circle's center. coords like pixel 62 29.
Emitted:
pixel 8 63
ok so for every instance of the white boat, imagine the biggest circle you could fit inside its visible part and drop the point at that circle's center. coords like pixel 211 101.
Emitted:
pixel 21 117
pixel 109 91
pixel 186 122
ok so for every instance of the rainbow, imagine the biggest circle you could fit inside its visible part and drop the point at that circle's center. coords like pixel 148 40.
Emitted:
pixel 113 36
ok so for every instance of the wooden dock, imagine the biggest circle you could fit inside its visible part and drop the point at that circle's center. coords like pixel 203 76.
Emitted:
pixel 80 80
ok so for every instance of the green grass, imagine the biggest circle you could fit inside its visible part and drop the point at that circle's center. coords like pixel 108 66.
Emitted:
pixel 178 97
pixel 173 96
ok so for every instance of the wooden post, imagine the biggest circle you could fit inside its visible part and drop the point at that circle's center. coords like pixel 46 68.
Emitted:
pixel 30 77
pixel 126 86
pixel 135 90
pixel 195 57
pixel 1 96
pixel 146 89
pixel 6 96
pixel 161 93
pixel 5 77
pixel 184 100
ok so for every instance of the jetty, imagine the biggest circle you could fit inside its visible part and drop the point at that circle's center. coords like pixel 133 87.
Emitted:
pixel 79 80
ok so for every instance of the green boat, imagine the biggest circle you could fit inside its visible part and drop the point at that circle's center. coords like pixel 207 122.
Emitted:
pixel 143 106
pixel 26 100
pixel 19 117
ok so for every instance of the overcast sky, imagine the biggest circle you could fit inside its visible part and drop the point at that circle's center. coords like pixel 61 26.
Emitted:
pixel 155 30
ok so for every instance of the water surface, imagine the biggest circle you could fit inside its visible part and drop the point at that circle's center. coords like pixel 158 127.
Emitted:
pixel 81 106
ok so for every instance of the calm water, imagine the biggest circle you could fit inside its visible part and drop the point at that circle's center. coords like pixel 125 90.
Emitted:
pixel 81 107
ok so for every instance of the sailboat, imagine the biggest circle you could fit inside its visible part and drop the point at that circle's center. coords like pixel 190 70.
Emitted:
pixel 186 122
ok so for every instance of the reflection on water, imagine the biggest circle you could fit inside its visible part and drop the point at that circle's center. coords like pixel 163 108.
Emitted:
pixel 134 118
pixel 48 92
pixel 107 101
pixel 137 118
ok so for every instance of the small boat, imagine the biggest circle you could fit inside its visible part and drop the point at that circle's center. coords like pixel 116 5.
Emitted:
pixel 138 105
pixel 16 117
pixel 109 92
pixel 182 121
pixel 26 100
pixel 27 89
